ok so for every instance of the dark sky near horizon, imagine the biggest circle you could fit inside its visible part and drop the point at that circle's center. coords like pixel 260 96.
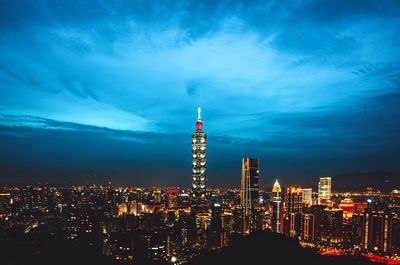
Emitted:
pixel 108 90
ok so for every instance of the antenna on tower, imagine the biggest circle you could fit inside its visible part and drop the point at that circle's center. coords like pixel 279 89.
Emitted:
pixel 199 113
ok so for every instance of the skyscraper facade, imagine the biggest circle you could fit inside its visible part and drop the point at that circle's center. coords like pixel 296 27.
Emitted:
pixel 307 196
pixel 293 208
pixel 324 190
pixel 307 226
pixel 381 230
pixel 249 191
pixel 277 212
pixel 172 198
pixel 332 225
pixel 294 199
pixel 199 166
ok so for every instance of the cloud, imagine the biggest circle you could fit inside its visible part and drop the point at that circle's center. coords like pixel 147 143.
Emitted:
pixel 284 75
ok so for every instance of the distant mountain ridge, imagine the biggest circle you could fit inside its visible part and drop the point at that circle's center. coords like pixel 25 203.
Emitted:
pixel 381 180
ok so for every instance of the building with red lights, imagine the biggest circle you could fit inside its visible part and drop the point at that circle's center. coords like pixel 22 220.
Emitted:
pixel 381 231
pixel 199 167
pixel 347 205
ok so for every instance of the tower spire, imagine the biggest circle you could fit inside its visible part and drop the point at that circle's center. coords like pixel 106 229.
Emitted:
pixel 199 113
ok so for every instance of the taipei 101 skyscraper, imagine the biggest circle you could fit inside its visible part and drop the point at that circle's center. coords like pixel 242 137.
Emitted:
pixel 199 166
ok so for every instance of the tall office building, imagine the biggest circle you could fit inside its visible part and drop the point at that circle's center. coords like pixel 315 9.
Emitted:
pixel 277 208
pixel 237 220
pixel 172 198
pixel 294 200
pixel 324 190
pixel 293 207
pixel 199 166
pixel 218 233
pixel 317 211
pixel 307 226
pixel 332 225
pixel 381 231
pixel 307 196
pixel 249 191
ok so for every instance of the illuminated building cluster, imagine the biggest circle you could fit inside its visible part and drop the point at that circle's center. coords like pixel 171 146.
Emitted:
pixel 365 222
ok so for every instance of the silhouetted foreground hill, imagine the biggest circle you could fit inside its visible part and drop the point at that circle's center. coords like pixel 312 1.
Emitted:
pixel 37 250
pixel 258 248
pixel 271 248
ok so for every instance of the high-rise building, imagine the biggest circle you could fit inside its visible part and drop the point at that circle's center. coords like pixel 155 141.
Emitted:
pixel 381 231
pixel 249 191
pixel 332 225
pixel 237 220
pixel 277 212
pixel 293 207
pixel 307 227
pixel 324 190
pixel 199 166
pixel 172 198
pixel 317 211
pixel 157 196
pixel 218 232
pixel 307 196
pixel 293 200
pixel 357 228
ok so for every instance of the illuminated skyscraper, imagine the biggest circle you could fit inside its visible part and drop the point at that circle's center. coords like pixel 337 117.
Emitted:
pixel 293 207
pixel 307 226
pixel 293 199
pixel 277 207
pixel 199 166
pixel 324 190
pixel 249 191
pixel 332 225
pixel 172 198
pixel 307 196
pixel 381 231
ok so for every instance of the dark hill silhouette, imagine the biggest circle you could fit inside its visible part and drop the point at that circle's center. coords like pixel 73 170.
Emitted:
pixel 258 248
pixel 272 248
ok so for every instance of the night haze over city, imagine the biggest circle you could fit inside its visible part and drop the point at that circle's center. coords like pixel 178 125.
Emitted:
pixel 199 132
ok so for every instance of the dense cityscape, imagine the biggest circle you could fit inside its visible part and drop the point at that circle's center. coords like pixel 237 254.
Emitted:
pixel 175 225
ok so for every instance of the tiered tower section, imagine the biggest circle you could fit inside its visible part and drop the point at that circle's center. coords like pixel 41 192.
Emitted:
pixel 199 166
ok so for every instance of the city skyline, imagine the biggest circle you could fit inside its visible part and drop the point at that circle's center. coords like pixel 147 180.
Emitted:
pixel 199 132
pixel 311 88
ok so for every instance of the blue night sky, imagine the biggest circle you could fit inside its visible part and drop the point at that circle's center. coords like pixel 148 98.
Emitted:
pixel 110 89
